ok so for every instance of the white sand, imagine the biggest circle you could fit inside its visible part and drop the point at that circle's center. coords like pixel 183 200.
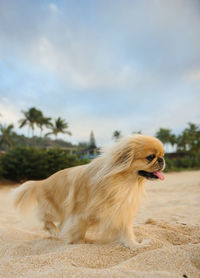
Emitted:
pixel 169 216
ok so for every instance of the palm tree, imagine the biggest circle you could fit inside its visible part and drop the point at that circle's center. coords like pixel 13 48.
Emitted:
pixel 137 132
pixel 6 135
pixel 189 140
pixel 165 135
pixel 116 135
pixel 183 141
pixel 31 118
pixel 59 126
pixel 194 135
pixel 44 121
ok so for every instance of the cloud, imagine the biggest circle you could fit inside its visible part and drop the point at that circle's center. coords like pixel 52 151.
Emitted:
pixel 193 75
pixel 53 7
pixel 103 65
pixel 9 114
pixel 140 41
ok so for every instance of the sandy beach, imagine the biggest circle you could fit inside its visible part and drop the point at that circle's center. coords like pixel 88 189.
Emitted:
pixel 169 216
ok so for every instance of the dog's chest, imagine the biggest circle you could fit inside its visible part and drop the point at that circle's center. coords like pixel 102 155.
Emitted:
pixel 122 201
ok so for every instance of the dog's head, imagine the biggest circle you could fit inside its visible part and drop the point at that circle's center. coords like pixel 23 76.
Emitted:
pixel 138 154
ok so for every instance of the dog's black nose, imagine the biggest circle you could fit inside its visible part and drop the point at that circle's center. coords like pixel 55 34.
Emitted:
pixel 160 160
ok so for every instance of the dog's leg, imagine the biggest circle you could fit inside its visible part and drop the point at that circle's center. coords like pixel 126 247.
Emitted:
pixel 127 238
pixel 51 228
pixel 74 230
pixel 48 222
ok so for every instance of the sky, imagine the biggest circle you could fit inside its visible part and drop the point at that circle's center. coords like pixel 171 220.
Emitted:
pixel 128 65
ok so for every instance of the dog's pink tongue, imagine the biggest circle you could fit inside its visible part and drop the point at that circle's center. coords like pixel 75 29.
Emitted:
pixel 159 175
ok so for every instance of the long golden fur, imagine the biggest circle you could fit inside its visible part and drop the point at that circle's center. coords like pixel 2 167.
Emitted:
pixel 104 193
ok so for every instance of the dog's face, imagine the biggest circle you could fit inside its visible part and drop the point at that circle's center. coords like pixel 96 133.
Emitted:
pixel 148 157
pixel 141 155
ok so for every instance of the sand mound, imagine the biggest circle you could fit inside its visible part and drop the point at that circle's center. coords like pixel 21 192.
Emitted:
pixel 26 251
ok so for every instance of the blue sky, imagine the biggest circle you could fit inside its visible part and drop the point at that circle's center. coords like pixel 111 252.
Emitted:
pixel 101 65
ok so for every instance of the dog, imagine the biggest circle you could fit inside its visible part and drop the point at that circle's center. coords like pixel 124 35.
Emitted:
pixel 104 193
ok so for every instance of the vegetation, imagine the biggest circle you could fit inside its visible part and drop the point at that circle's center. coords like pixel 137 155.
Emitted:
pixel 92 144
pixel 187 148
pixel 36 157
pixel 117 135
pixel 35 141
pixel 44 121
pixel 166 136
pixel 59 126
pixel 182 163
pixel 32 117
pixel 188 141
pixel 6 136
pixel 137 132
pixel 29 163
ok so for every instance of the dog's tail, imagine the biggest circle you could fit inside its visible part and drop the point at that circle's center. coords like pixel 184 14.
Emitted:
pixel 24 196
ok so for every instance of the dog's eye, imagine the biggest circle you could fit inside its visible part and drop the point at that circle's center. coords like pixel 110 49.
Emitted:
pixel 150 157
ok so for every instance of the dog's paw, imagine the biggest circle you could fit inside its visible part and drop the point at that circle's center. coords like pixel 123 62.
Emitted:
pixel 146 242
pixel 134 245
pixel 54 233
pixel 131 244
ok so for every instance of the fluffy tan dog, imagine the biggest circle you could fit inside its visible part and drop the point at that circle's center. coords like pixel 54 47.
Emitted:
pixel 105 193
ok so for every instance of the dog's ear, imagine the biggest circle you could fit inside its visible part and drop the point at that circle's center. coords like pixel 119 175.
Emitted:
pixel 124 158
pixel 121 159
pixel 116 160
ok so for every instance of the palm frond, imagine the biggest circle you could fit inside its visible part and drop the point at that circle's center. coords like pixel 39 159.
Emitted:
pixel 22 122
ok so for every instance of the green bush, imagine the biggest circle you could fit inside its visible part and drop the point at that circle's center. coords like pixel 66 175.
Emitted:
pixel 25 163
pixel 182 163
pixel 33 163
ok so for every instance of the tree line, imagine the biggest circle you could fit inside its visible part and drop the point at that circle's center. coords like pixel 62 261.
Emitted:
pixel 188 141
pixel 33 118
pixel 37 157
pixel 182 150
